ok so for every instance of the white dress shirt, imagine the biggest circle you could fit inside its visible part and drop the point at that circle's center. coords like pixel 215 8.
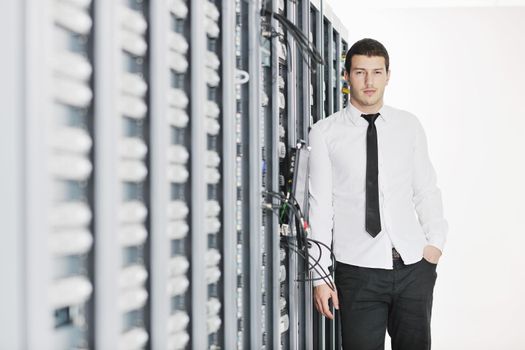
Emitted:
pixel 406 181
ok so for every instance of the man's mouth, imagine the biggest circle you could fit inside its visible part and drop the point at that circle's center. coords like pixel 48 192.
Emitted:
pixel 369 92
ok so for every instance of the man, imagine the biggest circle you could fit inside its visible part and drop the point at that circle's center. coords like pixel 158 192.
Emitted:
pixel 369 170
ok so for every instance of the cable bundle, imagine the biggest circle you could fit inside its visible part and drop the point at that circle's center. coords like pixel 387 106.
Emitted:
pixel 306 47
pixel 301 244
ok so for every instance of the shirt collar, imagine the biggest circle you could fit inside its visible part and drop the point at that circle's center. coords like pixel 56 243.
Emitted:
pixel 355 115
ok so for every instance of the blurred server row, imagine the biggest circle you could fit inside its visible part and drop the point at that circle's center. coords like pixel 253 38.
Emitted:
pixel 149 154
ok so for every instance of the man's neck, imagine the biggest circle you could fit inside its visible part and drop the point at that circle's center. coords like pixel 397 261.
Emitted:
pixel 367 109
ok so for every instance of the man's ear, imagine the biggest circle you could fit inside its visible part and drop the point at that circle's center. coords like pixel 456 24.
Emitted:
pixel 387 77
pixel 346 76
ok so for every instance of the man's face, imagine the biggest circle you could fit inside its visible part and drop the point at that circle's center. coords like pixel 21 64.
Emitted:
pixel 367 79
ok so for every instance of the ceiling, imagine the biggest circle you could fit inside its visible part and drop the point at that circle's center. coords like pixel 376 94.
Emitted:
pixel 425 3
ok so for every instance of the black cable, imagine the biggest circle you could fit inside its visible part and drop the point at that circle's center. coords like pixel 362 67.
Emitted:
pixel 288 243
pixel 306 47
pixel 319 248
pixel 299 36
pixel 296 209
pixel 332 256
pixel 286 199
pixel 275 33
pixel 283 197
pixel 305 255
pixel 325 276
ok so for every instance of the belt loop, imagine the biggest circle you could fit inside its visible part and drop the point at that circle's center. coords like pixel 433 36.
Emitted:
pixel 397 260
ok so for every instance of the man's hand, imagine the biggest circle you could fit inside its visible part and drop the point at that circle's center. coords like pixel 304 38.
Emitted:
pixel 431 254
pixel 322 294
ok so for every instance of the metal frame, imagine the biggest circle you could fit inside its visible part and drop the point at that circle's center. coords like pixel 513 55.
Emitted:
pixel 229 180
pixel 308 295
pixel 337 82
pixel 292 83
pixel 344 43
pixel 320 40
pixel 273 166
pixel 330 63
pixel 36 197
pixel 107 191
pixel 198 284
pixel 160 301
pixel 293 286
pixel 272 161
pixel 320 72
pixel 319 337
pixel 306 70
pixel 254 173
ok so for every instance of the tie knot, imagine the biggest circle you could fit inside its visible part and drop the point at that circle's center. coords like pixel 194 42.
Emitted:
pixel 371 118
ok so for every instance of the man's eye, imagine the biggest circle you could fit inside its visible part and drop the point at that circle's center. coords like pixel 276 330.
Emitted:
pixel 379 72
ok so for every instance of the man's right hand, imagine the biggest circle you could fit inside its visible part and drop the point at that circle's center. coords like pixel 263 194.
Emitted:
pixel 322 293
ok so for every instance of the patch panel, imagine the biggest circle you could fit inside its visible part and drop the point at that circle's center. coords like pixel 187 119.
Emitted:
pixel 71 173
pixel 132 171
pixel 178 155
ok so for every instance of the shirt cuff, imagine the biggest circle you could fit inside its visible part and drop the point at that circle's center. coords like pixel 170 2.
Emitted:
pixel 321 281
pixel 437 241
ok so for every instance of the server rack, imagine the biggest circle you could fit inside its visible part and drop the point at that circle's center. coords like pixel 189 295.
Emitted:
pixel 327 96
pixel 162 128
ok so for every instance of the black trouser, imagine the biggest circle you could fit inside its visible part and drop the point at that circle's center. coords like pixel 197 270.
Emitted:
pixel 372 301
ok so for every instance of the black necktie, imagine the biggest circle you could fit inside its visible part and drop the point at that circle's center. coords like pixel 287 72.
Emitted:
pixel 373 222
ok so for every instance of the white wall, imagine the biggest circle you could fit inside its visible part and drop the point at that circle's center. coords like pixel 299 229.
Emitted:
pixel 462 71
pixel 11 269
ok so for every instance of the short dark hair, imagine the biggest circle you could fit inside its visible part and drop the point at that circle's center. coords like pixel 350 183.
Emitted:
pixel 367 47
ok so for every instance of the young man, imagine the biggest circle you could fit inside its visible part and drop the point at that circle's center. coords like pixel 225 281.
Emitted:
pixel 369 170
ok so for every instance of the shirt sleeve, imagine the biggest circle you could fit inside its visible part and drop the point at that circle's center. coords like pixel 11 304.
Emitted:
pixel 427 196
pixel 320 211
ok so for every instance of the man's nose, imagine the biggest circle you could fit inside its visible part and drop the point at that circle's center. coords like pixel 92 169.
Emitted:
pixel 369 79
